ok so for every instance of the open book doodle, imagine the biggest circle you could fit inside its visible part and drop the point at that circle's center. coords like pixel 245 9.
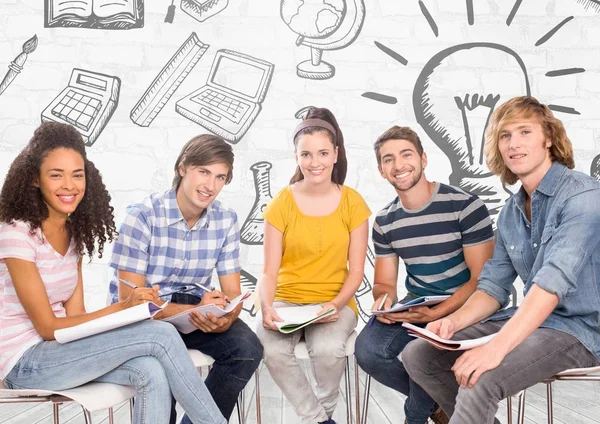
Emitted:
pixel 102 14
pixel 109 322
pixel 296 317
pixel 420 301
pixel 182 322
pixel 446 344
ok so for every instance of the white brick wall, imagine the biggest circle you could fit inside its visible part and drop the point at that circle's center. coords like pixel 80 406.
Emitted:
pixel 136 161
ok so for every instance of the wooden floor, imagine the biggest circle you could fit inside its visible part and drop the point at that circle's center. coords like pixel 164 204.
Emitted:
pixel 574 403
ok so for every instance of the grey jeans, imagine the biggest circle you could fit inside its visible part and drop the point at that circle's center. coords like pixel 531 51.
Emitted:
pixel 543 354
pixel 326 344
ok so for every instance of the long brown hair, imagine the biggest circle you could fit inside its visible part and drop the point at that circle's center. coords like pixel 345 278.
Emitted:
pixel 525 107
pixel 91 223
pixel 340 168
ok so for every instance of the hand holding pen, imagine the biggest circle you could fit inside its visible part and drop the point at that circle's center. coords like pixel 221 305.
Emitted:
pixel 379 308
pixel 141 295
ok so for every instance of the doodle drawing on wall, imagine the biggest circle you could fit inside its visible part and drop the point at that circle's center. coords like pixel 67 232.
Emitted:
pixel 322 25
pixel 232 98
pixel 365 288
pixel 16 66
pixel 168 79
pixel 595 168
pixel 248 282
pixel 252 231
pixel 98 14
pixel 88 102
pixel 201 10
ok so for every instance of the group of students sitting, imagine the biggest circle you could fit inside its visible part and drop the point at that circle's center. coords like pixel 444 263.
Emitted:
pixel 55 209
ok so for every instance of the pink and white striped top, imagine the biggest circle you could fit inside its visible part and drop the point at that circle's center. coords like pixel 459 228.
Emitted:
pixel 58 273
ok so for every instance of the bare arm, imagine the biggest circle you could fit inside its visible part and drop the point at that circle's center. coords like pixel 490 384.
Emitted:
pixel 33 296
pixel 267 282
pixel 357 253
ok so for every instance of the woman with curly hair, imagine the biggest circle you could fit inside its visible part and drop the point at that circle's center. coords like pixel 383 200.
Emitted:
pixel 54 208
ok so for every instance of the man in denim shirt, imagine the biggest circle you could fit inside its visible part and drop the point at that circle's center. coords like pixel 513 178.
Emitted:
pixel 548 235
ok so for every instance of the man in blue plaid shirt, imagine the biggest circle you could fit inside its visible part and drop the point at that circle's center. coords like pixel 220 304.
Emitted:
pixel 175 240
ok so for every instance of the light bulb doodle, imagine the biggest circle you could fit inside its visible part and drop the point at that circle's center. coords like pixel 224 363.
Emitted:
pixel 248 282
pixel 595 168
pixel 594 4
pixel 438 109
pixel 322 25
pixel 252 231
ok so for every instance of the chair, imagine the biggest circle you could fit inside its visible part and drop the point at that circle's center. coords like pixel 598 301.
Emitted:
pixel 301 352
pixel 91 396
pixel 574 374
pixel 201 360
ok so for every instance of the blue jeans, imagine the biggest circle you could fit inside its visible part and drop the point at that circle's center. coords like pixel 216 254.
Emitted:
pixel 237 353
pixel 376 350
pixel 148 355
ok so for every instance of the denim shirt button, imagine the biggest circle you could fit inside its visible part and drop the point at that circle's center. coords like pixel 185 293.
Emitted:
pixel 534 244
pixel 512 247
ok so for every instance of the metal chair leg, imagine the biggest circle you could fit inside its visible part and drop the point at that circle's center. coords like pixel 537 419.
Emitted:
pixel 258 413
pixel 56 413
pixel 549 401
pixel 521 418
pixel 366 398
pixel 131 405
pixel 111 416
pixel 348 392
pixel 240 412
pixel 356 391
pixel 509 409
pixel 87 415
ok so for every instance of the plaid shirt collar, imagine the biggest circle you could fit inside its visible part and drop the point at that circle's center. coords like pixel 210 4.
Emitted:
pixel 174 214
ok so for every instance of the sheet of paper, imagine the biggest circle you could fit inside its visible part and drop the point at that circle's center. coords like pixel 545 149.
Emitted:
pixel 182 321
pixel 108 322
pixel 297 317
pixel 436 340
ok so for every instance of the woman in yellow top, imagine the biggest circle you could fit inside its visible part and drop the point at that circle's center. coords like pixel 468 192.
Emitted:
pixel 316 232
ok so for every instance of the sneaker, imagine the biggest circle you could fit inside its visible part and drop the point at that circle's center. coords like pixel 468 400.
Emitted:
pixel 439 417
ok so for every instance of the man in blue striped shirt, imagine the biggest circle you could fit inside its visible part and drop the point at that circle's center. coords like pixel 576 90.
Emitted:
pixel 175 240
pixel 444 236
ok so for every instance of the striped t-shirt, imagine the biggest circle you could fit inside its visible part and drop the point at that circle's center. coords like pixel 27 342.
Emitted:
pixel 58 273
pixel 430 240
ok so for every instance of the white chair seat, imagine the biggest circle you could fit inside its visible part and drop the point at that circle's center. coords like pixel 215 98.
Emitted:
pixel 92 396
pixel 578 371
pixel 200 359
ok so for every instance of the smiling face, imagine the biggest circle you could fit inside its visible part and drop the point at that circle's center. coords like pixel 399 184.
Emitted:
pixel 401 164
pixel 525 149
pixel 316 156
pixel 62 181
pixel 199 186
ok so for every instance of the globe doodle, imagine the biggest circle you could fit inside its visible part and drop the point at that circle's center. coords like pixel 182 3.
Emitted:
pixel 313 18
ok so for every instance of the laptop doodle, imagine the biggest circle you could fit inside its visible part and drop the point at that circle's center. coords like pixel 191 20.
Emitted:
pixel 231 99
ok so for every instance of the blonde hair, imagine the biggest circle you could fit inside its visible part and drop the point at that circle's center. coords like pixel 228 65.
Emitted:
pixel 519 108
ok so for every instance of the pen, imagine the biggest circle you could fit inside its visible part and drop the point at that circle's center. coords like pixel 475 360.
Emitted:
pixel 373 318
pixel 128 283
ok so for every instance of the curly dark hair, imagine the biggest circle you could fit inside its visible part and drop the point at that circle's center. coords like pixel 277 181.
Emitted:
pixel 21 200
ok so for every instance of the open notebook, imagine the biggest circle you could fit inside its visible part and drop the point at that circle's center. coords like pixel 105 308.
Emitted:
pixel 296 317
pixel 420 301
pixel 446 344
pixel 182 322
pixel 108 322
